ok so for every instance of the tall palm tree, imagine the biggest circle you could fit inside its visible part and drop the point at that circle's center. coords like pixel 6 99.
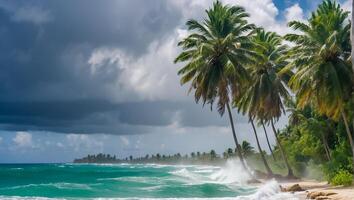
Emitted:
pixel 268 143
pixel 323 76
pixel 269 171
pixel 281 148
pixel 215 53
pixel 263 98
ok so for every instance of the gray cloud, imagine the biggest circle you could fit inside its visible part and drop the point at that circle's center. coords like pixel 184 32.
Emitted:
pixel 85 116
pixel 46 79
pixel 51 58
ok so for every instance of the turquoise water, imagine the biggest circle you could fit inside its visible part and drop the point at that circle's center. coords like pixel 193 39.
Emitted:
pixel 121 181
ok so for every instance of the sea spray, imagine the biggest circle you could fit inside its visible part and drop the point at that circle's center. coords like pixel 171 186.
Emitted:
pixel 269 191
pixel 232 172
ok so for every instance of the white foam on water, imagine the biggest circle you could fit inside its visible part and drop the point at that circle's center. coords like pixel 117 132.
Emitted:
pixel 17 168
pixel 153 165
pixel 269 191
pixel 69 186
pixel 189 176
pixel 152 188
pixel 28 198
pixel 140 179
pixel 232 172
pixel 204 171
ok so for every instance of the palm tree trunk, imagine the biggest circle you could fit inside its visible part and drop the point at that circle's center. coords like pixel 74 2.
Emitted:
pixel 325 146
pixel 270 148
pixel 269 171
pixel 350 137
pixel 239 151
pixel 290 171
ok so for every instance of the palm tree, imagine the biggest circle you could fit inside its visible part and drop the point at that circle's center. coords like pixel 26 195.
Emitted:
pixel 268 143
pixel 269 171
pixel 263 98
pixel 216 52
pixel 323 76
pixel 281 148
pixel 246 148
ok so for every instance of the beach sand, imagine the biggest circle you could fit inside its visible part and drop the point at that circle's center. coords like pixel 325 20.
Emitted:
pixel 310 186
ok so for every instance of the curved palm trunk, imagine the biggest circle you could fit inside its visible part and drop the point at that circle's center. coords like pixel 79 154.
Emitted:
pixel 325 146
pixel 239 151
pixel 270 148
pixel 269 171
pixel 350 137
pixel 290 171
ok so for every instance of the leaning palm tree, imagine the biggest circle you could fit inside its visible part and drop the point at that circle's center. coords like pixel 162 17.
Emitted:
pixel 215 53
pixel 261 152
pixel 320 57
pixel 267 139
pixel 263 98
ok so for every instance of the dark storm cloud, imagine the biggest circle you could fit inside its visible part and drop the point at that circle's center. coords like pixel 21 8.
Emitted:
pixel 40 61
pixel 46 80
pixel 102 116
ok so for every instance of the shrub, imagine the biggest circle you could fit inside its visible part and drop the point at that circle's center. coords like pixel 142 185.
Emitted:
pixel 343 177
pixel 340 160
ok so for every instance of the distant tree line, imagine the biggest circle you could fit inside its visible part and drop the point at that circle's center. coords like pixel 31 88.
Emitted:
pixel 194 157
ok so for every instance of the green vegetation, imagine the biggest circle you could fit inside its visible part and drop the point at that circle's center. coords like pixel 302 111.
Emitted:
pixel 228 61
pixel 343 177
pixel 210 157
pixel 99 158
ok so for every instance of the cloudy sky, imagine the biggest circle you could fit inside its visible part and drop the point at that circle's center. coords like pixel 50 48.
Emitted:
pixel 81 77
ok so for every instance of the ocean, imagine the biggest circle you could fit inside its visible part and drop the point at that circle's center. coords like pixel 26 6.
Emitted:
pixel 131 181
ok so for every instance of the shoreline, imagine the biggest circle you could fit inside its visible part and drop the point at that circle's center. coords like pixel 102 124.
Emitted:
pixel 323 188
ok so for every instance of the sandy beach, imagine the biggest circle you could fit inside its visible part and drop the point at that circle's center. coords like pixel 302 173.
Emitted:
pixel 325 190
